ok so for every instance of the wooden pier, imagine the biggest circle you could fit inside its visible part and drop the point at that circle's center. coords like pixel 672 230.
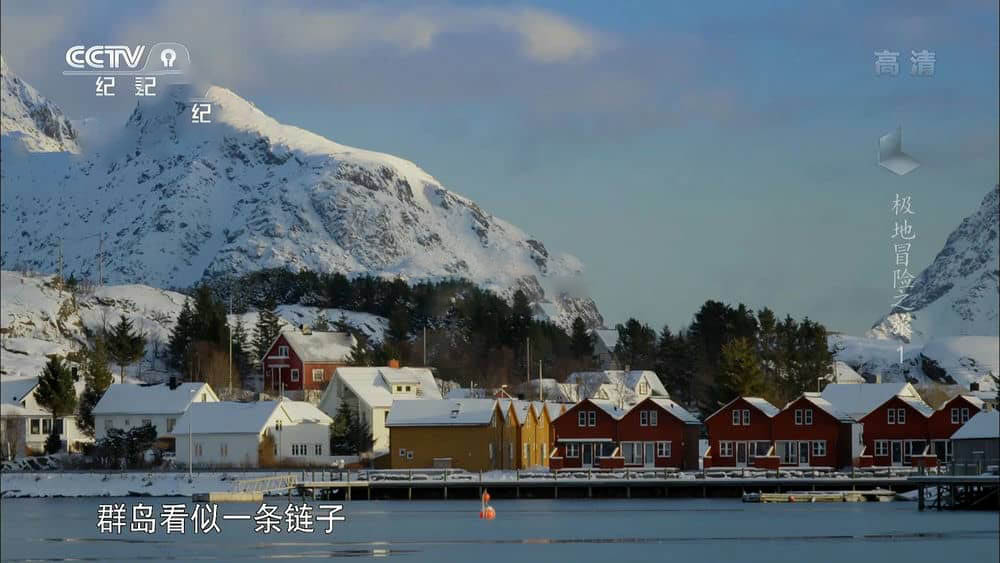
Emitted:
pixel 958 492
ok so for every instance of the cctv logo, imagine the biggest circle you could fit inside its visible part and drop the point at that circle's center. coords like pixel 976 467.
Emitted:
pixel 104 56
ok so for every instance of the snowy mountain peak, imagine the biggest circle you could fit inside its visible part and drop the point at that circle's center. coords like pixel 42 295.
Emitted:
pixel 957 295
pixel 30 119
pixel 181 201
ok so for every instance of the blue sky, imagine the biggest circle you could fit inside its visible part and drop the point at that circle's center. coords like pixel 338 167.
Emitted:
pixel 724 150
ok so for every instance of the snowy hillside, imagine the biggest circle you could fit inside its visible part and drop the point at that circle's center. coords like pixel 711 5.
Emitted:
pixel 961 360
pixel 957 295
pixel 179 202
pixel 38 319
pixel 28 118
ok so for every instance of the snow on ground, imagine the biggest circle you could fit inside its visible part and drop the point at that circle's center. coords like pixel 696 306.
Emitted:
pixel 964 359
pixel 38 319
pixel 116 484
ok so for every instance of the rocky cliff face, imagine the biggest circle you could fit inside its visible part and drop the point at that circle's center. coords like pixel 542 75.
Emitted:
pixel 29 119
pixel 957 295
pixel 177 202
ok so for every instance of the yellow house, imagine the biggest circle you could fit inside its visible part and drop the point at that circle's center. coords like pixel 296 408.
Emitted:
pixel 527 433
pixel 447 433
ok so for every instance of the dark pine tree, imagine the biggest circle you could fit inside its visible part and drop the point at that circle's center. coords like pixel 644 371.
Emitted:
pixel 581 341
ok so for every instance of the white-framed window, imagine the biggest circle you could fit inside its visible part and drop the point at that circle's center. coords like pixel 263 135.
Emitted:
pixel 643 418
pixel 409 454
pixel 581 419
pixel 402 451
pixel 223 450
pixel 36 425
pixel 572 450
pixel 317 374
pixel 282 352
pixel 965 415
pixel 736 417
pixel 407 389
pixel 632 452
pixel 663 449
pixel 295 375
pixel 725 449
pixel 808 413
pixel 746 417
pixel 819 448
pixel 798 417
pixel 277 424
pixel 653 418
pixel 170 423
pixel 318 449
pixel 788 452
pixel 47 426
pixel 197 449
pixel 900 416
pixel 881 447
pixel 956 416
pixel 591 418
pixel 892 416
pixel 643 388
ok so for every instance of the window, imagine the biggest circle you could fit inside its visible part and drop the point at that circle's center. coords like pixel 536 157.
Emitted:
pixel 881 447
pixel 632 452
pixel 385 417
pixel 46 426
pixel 663 449
pixel 809 416
pixel 965 415
pixel 146 421
pixel 170 424
pixel 295 375
pixel 819 448
pixel 402 451
pixel 581 419
pixel 197 450
pixel 59 426
pixel 491 451
pixel 736 418
pixel 725 449
pixel 317 374
pixel 409 454
pixel 572 450
pixel 892 416
pixel 407 389
pixel 223 450
pixel 652 418
pixel 788 452
pixel 644 418
pixel 643 388
pixel 955 416
pixel 900 416
pixel 282 352
pixel 277 425
pixel 798 417
pixel 746 417
pixel 36 425
pixel 318 449
pixel 591 418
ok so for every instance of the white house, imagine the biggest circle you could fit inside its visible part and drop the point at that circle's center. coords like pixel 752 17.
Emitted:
pixel 259 434
pixel 127 405
pixel 36 421
pixel 605 340
pixel 623 388
pixel 371 392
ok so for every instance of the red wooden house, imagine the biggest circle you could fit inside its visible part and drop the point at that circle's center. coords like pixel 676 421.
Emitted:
pixel 586 435
pixel 948 419
pixel 894 416
pixel 811 432
pixel 739 432
pixel 305 361
pixel 657 432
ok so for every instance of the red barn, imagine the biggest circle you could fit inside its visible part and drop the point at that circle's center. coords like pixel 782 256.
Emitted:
pixel 305 361
pixel 657 432
pixel 949 418
pixel 739 432
pixel 811 432
pixel 585 433
pixel 894 415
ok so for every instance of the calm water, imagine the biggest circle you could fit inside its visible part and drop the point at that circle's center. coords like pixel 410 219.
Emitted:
pixel 614 531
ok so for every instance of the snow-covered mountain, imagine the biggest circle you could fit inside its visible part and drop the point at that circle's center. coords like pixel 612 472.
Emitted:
pixel 958 293
pixel 178 202
pixel 28 118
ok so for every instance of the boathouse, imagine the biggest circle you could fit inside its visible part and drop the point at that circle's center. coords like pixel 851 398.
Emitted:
pixel 739 432
pixel 811 432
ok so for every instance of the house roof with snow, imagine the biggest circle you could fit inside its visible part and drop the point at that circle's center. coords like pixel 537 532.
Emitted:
pixel 318 347
pixel 373 385
pixel 10 410
pixel 972 399
pixel 819 402
pixel 14 390
pixel 521 409
pixel 843 373
pixel 985 424
pixel 609 407
pixel 303 411
pixel 676 410
pixel 442 412
pixel 129 398
pixel 623 387
pixel 226 417
pixel 554 409
pixel 763 405
pixel 860 400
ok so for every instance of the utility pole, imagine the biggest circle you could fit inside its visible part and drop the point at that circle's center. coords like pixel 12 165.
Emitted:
pixel 527 358
pixel 539 380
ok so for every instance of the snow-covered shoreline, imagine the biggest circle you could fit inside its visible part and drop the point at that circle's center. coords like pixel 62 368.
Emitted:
pixel 118 484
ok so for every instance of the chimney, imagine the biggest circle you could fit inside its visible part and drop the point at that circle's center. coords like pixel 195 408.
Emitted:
pixel 173 382
pixel 394 364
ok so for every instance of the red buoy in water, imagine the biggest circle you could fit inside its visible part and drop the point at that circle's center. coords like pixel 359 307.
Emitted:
pixel 490 513
pixel 486 497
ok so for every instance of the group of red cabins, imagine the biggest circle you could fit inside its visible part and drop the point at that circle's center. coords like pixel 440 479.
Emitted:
pixel 847 425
